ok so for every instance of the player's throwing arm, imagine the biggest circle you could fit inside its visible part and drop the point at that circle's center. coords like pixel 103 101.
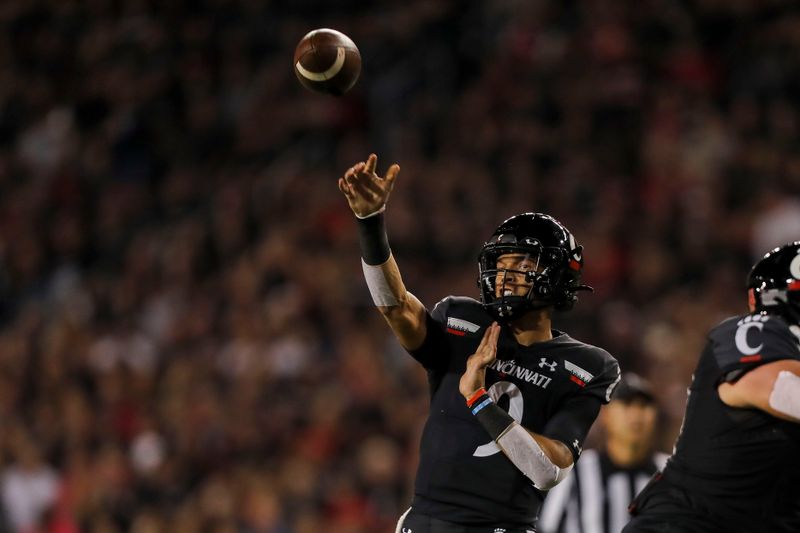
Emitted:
pixel 367 195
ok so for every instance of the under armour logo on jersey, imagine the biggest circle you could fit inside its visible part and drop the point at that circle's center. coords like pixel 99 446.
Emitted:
pixel 551 366
pixel 577 446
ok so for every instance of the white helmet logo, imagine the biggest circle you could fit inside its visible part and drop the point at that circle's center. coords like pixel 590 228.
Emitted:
pixel 794 267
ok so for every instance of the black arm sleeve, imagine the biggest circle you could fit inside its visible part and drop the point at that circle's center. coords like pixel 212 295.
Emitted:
pixel 573 420
pixel 373 239
pixel 571 424
pixel 493 418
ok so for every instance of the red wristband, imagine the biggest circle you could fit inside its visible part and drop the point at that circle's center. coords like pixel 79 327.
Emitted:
pixel 474 398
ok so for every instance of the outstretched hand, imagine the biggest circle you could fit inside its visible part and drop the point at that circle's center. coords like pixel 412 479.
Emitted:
pixel 366 192
pixel 474 376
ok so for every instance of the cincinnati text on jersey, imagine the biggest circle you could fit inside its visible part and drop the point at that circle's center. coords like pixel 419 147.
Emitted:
pixel 511 368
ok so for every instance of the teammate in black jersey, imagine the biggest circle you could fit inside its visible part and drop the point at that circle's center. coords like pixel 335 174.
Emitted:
pixel 511 398
pixel 736 464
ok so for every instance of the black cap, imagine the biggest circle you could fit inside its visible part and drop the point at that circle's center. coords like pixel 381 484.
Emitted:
pixel 631 387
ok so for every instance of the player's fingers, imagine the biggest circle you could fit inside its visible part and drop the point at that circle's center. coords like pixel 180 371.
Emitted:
pixel 368 181
pixel 484 341
pixel 344 188
pixel 391 175
pixel 360 188
pixel 372 162
pixel 360 172
pixel 495 335
pixel 489 350
pixel 353 177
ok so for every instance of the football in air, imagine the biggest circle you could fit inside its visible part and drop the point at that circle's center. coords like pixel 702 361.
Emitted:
pixel 327 61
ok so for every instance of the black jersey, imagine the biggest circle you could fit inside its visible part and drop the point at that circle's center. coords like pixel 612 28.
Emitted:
pixel 554 388
pixel 736 470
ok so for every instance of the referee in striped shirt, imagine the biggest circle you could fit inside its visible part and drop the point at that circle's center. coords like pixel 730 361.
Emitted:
pixel 594 498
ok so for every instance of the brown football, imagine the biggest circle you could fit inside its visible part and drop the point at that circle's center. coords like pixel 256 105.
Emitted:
pixel 327 61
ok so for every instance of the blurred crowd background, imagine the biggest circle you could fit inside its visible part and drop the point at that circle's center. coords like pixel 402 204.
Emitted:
pixel 186 340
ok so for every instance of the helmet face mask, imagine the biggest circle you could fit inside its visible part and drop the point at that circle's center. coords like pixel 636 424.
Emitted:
pixel 509 276
pixel 773 285
pixel 530 262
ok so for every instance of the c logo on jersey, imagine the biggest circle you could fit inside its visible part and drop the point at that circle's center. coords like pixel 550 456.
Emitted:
pixel 745 325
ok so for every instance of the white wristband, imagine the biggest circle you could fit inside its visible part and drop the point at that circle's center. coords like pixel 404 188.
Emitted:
pixel 378 212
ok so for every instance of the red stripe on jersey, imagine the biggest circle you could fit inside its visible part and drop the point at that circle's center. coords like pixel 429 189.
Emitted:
pixel 794 285
pixel 750 358
pixel 574 265
pixel 456 332
pixel 578 380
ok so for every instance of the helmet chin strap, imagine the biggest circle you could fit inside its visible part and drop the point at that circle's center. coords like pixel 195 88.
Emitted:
pixel 507 311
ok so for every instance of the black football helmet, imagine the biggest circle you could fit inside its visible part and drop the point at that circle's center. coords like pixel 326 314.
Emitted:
pixel 773 285
pixel 554 280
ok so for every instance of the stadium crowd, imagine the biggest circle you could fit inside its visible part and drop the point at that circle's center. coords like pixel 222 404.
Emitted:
pixel 186 340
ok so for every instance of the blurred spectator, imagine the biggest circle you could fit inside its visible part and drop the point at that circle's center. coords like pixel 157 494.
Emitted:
pixel 28 486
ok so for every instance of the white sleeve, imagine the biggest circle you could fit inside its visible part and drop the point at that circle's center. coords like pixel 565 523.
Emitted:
pixel 526 454
pixel 785 395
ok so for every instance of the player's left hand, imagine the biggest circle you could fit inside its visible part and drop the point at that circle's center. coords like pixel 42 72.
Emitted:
pixel 474 376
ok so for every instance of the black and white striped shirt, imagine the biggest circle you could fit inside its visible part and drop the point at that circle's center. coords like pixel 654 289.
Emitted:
pixel 594 498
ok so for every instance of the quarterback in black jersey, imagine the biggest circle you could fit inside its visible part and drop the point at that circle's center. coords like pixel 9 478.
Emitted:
pixel 736 464
pixel 511 398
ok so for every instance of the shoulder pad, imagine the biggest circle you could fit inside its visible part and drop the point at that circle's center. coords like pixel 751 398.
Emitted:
pixel 460 307
pixel 742 343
